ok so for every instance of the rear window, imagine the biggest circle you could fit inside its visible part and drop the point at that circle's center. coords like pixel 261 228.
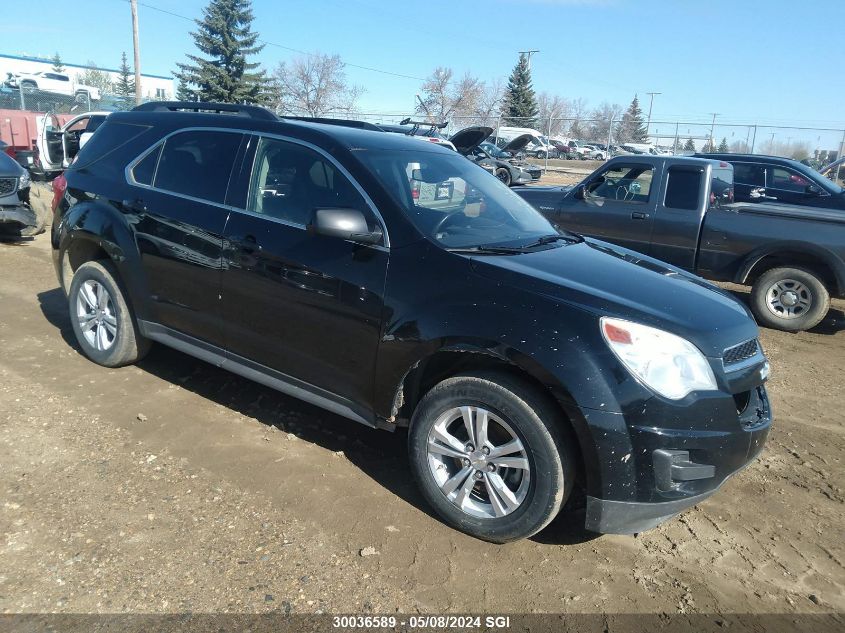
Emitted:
pixel 108 137
pixel 683 190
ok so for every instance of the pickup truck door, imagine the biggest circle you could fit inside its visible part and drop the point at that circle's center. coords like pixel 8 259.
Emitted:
pixel 50 142
pixel 679 216
pixel 616 204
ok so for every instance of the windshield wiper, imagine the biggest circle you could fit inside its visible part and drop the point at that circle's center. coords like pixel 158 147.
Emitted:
pixel 572 238
pixel 487 250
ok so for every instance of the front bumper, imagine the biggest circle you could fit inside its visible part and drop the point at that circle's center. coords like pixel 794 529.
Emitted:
pixel 17 217
pixel 666 458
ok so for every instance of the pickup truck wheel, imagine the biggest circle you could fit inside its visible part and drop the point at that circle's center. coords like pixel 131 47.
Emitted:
pixel 102 320
pixel 504 175
pixel 789 299
pixel 488 454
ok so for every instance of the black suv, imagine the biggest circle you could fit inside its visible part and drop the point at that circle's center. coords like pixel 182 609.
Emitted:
pixel 396 283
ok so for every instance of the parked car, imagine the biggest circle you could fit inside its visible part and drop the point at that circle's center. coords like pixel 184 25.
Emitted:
pixel 17 219
pixel 57 83
pixel 681 211
pixel 759 178
pixel 59 144
pixel 525 361
pixel 500 162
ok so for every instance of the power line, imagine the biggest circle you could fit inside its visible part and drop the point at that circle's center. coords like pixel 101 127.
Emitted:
pixel 286 48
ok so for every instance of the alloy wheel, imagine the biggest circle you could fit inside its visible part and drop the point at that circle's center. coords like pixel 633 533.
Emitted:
pixel 96 314
pixel 479 462
pixel 788 299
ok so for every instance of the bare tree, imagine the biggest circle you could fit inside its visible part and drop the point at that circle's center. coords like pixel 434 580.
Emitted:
pixel 603 117
pixel 552 108
pixel 489 106
pixel 578 114
pixel 314 85
pixel 443 98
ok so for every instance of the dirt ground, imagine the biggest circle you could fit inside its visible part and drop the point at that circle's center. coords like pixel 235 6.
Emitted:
pixel 174 486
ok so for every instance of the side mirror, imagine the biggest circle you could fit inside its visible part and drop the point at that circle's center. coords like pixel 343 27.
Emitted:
pixel 813 190
pixel 347 224
pixel 580 192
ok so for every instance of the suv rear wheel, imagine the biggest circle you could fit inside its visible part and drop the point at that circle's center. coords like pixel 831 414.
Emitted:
pixel 789 299
pixel 488 454
pixel 102 320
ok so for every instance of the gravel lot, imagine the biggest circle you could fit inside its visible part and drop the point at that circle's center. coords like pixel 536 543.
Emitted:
pixel 174 486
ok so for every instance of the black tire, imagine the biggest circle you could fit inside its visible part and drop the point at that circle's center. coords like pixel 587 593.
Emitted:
pixel 548 447
pixel 504 175
pixel 804 283
pixel 126 345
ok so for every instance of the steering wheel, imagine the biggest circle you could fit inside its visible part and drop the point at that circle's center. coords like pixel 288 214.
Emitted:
pixel 445 220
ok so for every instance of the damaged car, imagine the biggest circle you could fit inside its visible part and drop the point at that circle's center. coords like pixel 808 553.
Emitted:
pixel 500 162
pixel 17 219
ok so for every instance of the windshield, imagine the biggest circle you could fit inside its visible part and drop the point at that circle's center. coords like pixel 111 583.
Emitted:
pixel 453 201
pixel 817 178
pixel 494 151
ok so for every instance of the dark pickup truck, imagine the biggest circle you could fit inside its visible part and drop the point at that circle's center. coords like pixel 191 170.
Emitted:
pixel 682 211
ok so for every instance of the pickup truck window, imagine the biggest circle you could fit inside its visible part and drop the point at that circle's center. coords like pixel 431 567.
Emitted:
pixel 683 189
pixel 625 183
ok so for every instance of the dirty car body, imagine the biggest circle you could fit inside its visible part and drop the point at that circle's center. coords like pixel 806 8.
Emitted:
pixel 438 276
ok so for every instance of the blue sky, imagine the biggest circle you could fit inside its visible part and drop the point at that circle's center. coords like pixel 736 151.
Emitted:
pixel 775 61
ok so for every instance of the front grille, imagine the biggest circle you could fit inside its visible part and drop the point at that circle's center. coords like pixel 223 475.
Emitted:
pixel 741 352
pixel 8 185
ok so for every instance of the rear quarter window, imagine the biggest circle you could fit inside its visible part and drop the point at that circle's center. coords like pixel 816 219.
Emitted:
pixel 108 137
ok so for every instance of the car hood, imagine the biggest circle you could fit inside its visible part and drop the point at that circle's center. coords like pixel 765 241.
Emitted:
pixel 469 138
pixel 610 281
pixel 518 144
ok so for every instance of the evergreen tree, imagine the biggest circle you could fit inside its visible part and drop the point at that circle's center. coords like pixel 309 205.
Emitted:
pixel 58 67
pixel 708 147
pixel 689 146
pixel 723 146
pixel 632 128
pixel 520 101
pixel 225 37
pixel 183 93
pixel 125 84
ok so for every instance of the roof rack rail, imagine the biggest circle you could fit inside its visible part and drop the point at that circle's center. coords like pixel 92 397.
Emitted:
pixel 251 111
pixel 361 125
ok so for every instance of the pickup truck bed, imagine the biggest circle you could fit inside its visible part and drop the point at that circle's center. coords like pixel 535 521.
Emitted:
pixel 681 211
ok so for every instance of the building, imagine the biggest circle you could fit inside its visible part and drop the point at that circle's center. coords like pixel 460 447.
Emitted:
pixel 156 87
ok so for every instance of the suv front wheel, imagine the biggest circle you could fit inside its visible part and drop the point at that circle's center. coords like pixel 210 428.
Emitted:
pixel 488 454
pixel 102 320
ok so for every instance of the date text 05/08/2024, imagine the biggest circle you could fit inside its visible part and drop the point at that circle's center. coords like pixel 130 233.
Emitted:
pixel 421 622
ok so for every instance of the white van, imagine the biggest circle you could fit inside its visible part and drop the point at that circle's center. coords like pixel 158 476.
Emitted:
pixel 539 145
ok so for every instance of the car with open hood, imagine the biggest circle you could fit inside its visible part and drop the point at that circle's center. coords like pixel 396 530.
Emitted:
pixel 471 142
pixel 17 219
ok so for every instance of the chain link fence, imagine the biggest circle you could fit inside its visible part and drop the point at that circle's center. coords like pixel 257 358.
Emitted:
pixel 83 100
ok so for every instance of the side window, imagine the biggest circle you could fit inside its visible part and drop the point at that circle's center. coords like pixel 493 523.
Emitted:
pixel 289 181
pixel 144 170
pixel 625 183
pixel 749 174
pixel 198 164
pixel 787 180
pixel 683 189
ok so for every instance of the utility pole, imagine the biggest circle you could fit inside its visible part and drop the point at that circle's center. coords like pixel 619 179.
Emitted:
pixel 528 54
pixel 712 128
pixel 650 104
pixel 133 5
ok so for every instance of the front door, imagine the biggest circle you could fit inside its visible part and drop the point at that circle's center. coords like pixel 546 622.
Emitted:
pixel 50 145
pixel 178 207
pixel 305 305
pixel 617 206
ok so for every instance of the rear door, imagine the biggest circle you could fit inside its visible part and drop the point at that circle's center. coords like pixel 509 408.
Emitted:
pixel 680 212
pixel 749 177
pixel 179 208
pixel 617 206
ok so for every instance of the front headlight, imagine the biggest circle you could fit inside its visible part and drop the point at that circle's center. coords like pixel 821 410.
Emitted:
pixel 24 181
pixel 667 364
